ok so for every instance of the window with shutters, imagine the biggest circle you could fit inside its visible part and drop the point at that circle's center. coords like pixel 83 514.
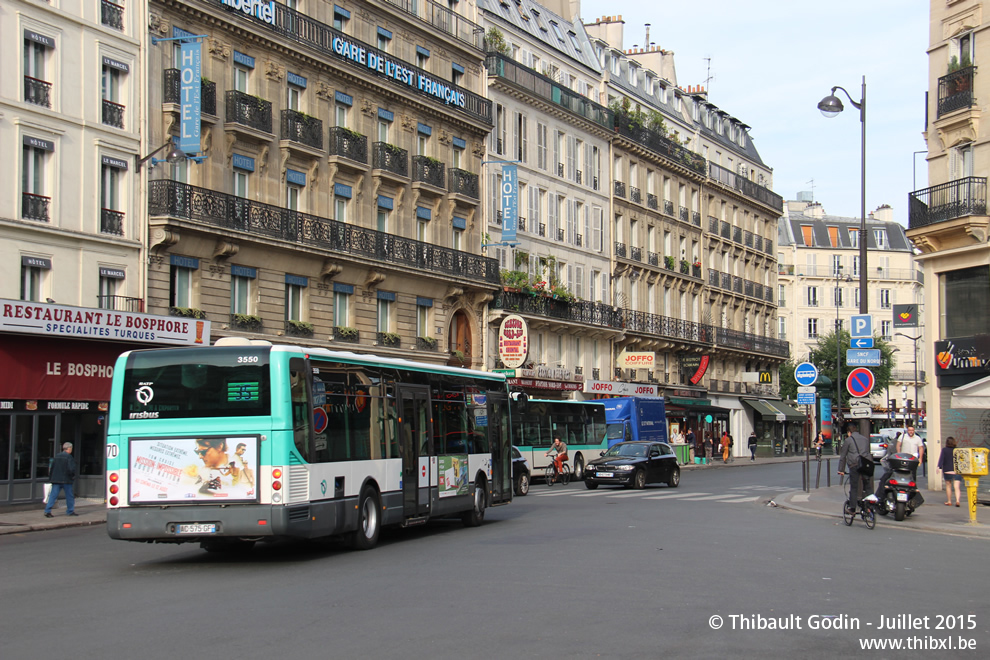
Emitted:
pixel 812 296
pixel 596 229
pixel 812 328
pixel 541 146
pixel 579 282
pixel 571 212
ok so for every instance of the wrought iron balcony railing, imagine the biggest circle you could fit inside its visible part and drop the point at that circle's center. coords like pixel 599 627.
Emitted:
pixel 172 90
pixel 111 222
pixel 586 312
pixel 737 234
pixel 301 128
pixel 653 259
pixel 725 230
pixel 713 224
pixel 443 19
pixel 462 182
pixel 348 144
pixel 636 253
pixel 543 229
pixel 955 90
pixel 264 221
pixel 426 344
pixel 250 111
pixel 749 342
pixel 695 218
pixel 660 144
pixel 37 91
pixel 522 223
pixel 683 213
pixel 668 207
pixel 651 201
pixel 947 201
pixel 388 157
pixel 743 185
pixel 560 235
pixel 548 89
pixel 35 207
pixel 120 303
pixel 620 250
pixel 113 114
pixel 595 373
pixel 112 15
pixel 635 195
pixel 345 334
pixel 428 170
pixel 620 189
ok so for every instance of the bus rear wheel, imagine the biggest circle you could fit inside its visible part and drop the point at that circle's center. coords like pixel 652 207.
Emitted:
pixel 578 468
pixel 369 521
pixel 476 515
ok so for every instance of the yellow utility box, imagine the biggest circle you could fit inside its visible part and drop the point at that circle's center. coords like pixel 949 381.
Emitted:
pixel 971 463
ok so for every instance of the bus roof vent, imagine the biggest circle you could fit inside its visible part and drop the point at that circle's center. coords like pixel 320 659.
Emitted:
pixel 241 341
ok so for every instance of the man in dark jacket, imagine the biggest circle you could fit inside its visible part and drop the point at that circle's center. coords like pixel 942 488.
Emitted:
pixel 63 473
pixel 854 446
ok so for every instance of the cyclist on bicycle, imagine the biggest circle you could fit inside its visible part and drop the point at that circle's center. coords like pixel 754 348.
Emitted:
pixel 560 456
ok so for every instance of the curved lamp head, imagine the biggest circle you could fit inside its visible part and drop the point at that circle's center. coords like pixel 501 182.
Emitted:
pixel 830 105
pixel 175 154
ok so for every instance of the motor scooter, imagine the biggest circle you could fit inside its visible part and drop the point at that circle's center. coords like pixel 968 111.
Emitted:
pixel 900 494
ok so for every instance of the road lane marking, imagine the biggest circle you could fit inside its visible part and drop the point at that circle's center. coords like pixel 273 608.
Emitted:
pixel 671 496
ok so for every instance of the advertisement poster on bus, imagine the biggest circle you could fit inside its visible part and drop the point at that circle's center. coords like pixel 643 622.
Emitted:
pixel 453 475
pixel 193 469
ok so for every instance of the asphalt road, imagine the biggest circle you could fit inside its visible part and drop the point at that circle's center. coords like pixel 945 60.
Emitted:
pixel 610 573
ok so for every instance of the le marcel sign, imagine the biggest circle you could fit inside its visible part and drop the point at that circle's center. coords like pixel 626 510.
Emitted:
pixel 87 323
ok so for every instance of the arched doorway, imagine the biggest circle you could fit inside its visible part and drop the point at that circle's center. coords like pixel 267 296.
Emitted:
pixel 459 338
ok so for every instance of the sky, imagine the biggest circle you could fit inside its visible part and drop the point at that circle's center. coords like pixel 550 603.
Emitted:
pixel 772 61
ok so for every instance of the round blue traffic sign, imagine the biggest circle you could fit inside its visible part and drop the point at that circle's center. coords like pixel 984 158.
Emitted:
pixel 805 374
pixel 860 382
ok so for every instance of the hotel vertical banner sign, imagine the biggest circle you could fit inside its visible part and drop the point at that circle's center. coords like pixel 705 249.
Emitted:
pixel 509 203
pixel 190 96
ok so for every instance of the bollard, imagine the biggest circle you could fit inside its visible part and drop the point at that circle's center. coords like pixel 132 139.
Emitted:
pixel 804 478
pixel 828 472
pixel 818 476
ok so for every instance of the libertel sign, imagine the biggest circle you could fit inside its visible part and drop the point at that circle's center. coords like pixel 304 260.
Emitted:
pixel 617 388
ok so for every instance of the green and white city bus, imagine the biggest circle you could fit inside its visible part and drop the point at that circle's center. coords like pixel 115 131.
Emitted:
pixel 580 424
pixel 245 441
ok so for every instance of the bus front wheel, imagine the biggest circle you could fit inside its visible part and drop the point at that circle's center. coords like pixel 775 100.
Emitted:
pixel 369 520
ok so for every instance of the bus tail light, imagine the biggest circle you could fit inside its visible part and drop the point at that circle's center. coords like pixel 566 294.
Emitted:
pixel 114 477
pixel 276 485
pixel 114 501
pixel 114 488
pixel 276 473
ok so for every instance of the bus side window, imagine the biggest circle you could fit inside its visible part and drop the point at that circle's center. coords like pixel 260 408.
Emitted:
pixel 302 407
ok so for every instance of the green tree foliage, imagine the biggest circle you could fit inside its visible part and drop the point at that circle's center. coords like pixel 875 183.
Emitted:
pixel 823 357
pixel 788 386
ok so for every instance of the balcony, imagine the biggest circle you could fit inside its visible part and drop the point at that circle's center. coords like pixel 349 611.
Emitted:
pixel 577 176
pixel 428 170
pixel 620 189
pixel 652 202
pixel 543 229
pixel 695 218
pixel 522 223
pixel 303 129
pixel 955 90
pixel 947 201
pixel 248 112
pixel 389 158
pixel 665 326
pixel 389 339
pixel 578 240
pixel 35 207
pixel 635 195
pixel 653 259
pixel 246 322
pixel 620 250
pixel 37 91
pixel 668 207
pixel 111 222
pixel 737 234
pixel 113 114
pixel 636 253
pixel 120 304
pixel 749 342
pixel 345 143
pixel 725 230
pixel 345 334
pixel 580 311
pixel 112 15
pixel 443 19
pixel 696 271
pixel 746 187
pixel 660 144
pixel 426 344
pixel 595 373
pixel 713 225
pixel 541 86
pixel 462 182
pixel 560 235
pixel 683 213
pixel 263 223
pixel 172 91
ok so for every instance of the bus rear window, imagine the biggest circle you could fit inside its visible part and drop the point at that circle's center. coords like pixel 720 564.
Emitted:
pixel 200 382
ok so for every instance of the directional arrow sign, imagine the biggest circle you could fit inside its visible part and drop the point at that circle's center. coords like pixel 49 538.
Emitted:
pixel 860 382
pixel 860 412
pixel 862 342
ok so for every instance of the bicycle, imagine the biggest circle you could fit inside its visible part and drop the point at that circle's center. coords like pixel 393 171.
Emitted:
pixel 550 474
pixel 865 510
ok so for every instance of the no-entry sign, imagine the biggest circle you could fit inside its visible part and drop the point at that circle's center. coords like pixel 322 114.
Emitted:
pixel 860 382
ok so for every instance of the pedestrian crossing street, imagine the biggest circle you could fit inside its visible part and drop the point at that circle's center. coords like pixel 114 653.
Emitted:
pixel 735 495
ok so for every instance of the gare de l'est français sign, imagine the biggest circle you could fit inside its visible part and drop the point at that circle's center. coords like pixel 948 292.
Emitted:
pixel 361 55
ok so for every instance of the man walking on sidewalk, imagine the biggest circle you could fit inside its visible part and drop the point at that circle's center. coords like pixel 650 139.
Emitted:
pixel 62 475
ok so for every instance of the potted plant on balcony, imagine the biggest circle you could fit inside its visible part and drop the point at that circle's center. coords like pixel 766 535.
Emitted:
pixel 685 265
pixel 668 261
pixel 299 328
pixel 697 263
pixel 246 322
pixel 390 338
pixel 457 358
pixel 429 343
pixel 495 42
pixel 187 312
pixel 345 333
pixel 513 280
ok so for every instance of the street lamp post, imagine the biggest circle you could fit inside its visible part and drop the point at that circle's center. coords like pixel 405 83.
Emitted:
pixel 831 106
pixel 914 417
pixel 838 347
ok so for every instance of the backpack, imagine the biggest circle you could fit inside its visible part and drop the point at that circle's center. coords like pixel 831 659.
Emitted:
pixel 866 463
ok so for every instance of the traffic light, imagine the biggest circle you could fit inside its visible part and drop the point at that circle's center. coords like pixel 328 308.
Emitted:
pixel 891 404
pixel 909 406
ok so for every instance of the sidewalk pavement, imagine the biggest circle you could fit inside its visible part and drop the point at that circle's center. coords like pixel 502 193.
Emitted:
pixel 933 516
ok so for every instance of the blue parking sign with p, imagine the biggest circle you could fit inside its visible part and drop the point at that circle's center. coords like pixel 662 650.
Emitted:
pixel 861 325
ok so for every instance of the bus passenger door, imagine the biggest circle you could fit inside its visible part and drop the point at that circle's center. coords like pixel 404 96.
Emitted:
pixel 416 436
pixel 499 438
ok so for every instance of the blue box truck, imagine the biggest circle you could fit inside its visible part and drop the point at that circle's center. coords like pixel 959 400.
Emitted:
pixel 635 418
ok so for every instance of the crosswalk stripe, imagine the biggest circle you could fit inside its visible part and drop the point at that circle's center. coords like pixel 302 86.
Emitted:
pixel 673 496
pixel 625 495
pixel 742 499
pixel 711 497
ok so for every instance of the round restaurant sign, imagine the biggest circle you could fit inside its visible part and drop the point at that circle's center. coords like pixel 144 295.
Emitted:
pixel 513 341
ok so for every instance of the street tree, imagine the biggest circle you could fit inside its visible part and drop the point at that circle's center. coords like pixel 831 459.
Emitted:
pixel 788 386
